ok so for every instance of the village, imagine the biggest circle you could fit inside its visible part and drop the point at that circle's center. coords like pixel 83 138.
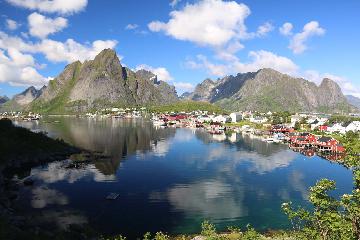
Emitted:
pixel 307 133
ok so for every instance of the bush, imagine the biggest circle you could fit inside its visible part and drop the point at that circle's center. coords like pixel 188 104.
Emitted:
pixel 330 218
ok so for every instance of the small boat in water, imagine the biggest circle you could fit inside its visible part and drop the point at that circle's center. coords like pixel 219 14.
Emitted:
pixel 112 196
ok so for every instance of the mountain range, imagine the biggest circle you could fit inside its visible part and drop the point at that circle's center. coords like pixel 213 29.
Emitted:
pixel 270 90
pixel 103 82
pixel 355 101
pixel 3 99
pixel 99 83
pixel 22 100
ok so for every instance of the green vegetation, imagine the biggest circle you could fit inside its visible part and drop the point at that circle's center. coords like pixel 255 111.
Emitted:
pixel 343 118
pixel 58 104
pixel 187 106
pixel 330 218
pixel 281 117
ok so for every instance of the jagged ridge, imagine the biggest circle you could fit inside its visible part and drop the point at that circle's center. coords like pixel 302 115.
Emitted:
pixel 102 82
pixel 270 90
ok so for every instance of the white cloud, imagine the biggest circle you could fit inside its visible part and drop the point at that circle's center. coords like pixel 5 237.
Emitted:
pixel 161 72
pixel 207 22
pixel 286 29
pixel 228 53
pixel 184 86
pixel 19 59
pixel 265 59
pixel 41 26
pixel 258 59
pixel 264 29
pixel 17 70
pixel 43 196
pixel 56 51
pixel 7 42
pixel 298 42
pixel 51 6
pixel 173 3
pixel 131 26
pixel 70 50
pixel 11 24
pixel 212 68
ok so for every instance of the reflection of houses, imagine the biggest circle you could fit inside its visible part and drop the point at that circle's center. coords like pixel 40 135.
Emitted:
pixel 233 137
pixel 308 152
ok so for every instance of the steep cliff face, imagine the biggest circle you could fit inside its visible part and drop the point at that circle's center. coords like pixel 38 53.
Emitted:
pixel 269 90
pixel 203 91
pixel 100 82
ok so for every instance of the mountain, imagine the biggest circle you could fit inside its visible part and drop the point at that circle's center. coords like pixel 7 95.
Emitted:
pixel 3 99
pixel 102 82
pixel 270 90
pixel 185 95
pixel 20 101
pixel 355 101
pixel 27 96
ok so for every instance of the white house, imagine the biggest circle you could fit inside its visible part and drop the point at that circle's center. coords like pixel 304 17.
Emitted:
pixel 353 126
pixel 295 118
pixel 336 127
pixel 258 119
pixel 318 122
pixel 205 118
pixel 221 119
pixel 236 117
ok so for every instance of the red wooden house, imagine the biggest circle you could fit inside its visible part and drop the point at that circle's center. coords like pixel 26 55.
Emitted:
pixel 323 128
pixel 326 143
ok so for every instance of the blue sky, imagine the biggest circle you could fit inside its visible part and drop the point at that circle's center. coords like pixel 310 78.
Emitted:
pixel 183 42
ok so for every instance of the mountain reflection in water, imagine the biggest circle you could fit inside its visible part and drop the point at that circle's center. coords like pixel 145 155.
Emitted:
pixel 169 179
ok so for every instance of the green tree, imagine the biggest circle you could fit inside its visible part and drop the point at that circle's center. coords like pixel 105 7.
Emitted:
pixel 330 218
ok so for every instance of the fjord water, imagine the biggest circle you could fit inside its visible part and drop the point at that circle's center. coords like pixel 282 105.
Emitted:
pixel 169 179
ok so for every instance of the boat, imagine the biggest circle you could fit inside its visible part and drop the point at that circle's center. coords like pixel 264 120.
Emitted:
pixel 112 196
pixel 269 140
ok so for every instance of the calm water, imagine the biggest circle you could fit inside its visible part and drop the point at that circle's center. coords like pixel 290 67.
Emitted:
pixel 170 179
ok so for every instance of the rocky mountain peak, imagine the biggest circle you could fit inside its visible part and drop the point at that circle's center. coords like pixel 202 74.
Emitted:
pixel 269 73
pixel 106 57
pixel 270 90
pixel 329 83
pixel 145 74
pixel 103 82
pixel 27 96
